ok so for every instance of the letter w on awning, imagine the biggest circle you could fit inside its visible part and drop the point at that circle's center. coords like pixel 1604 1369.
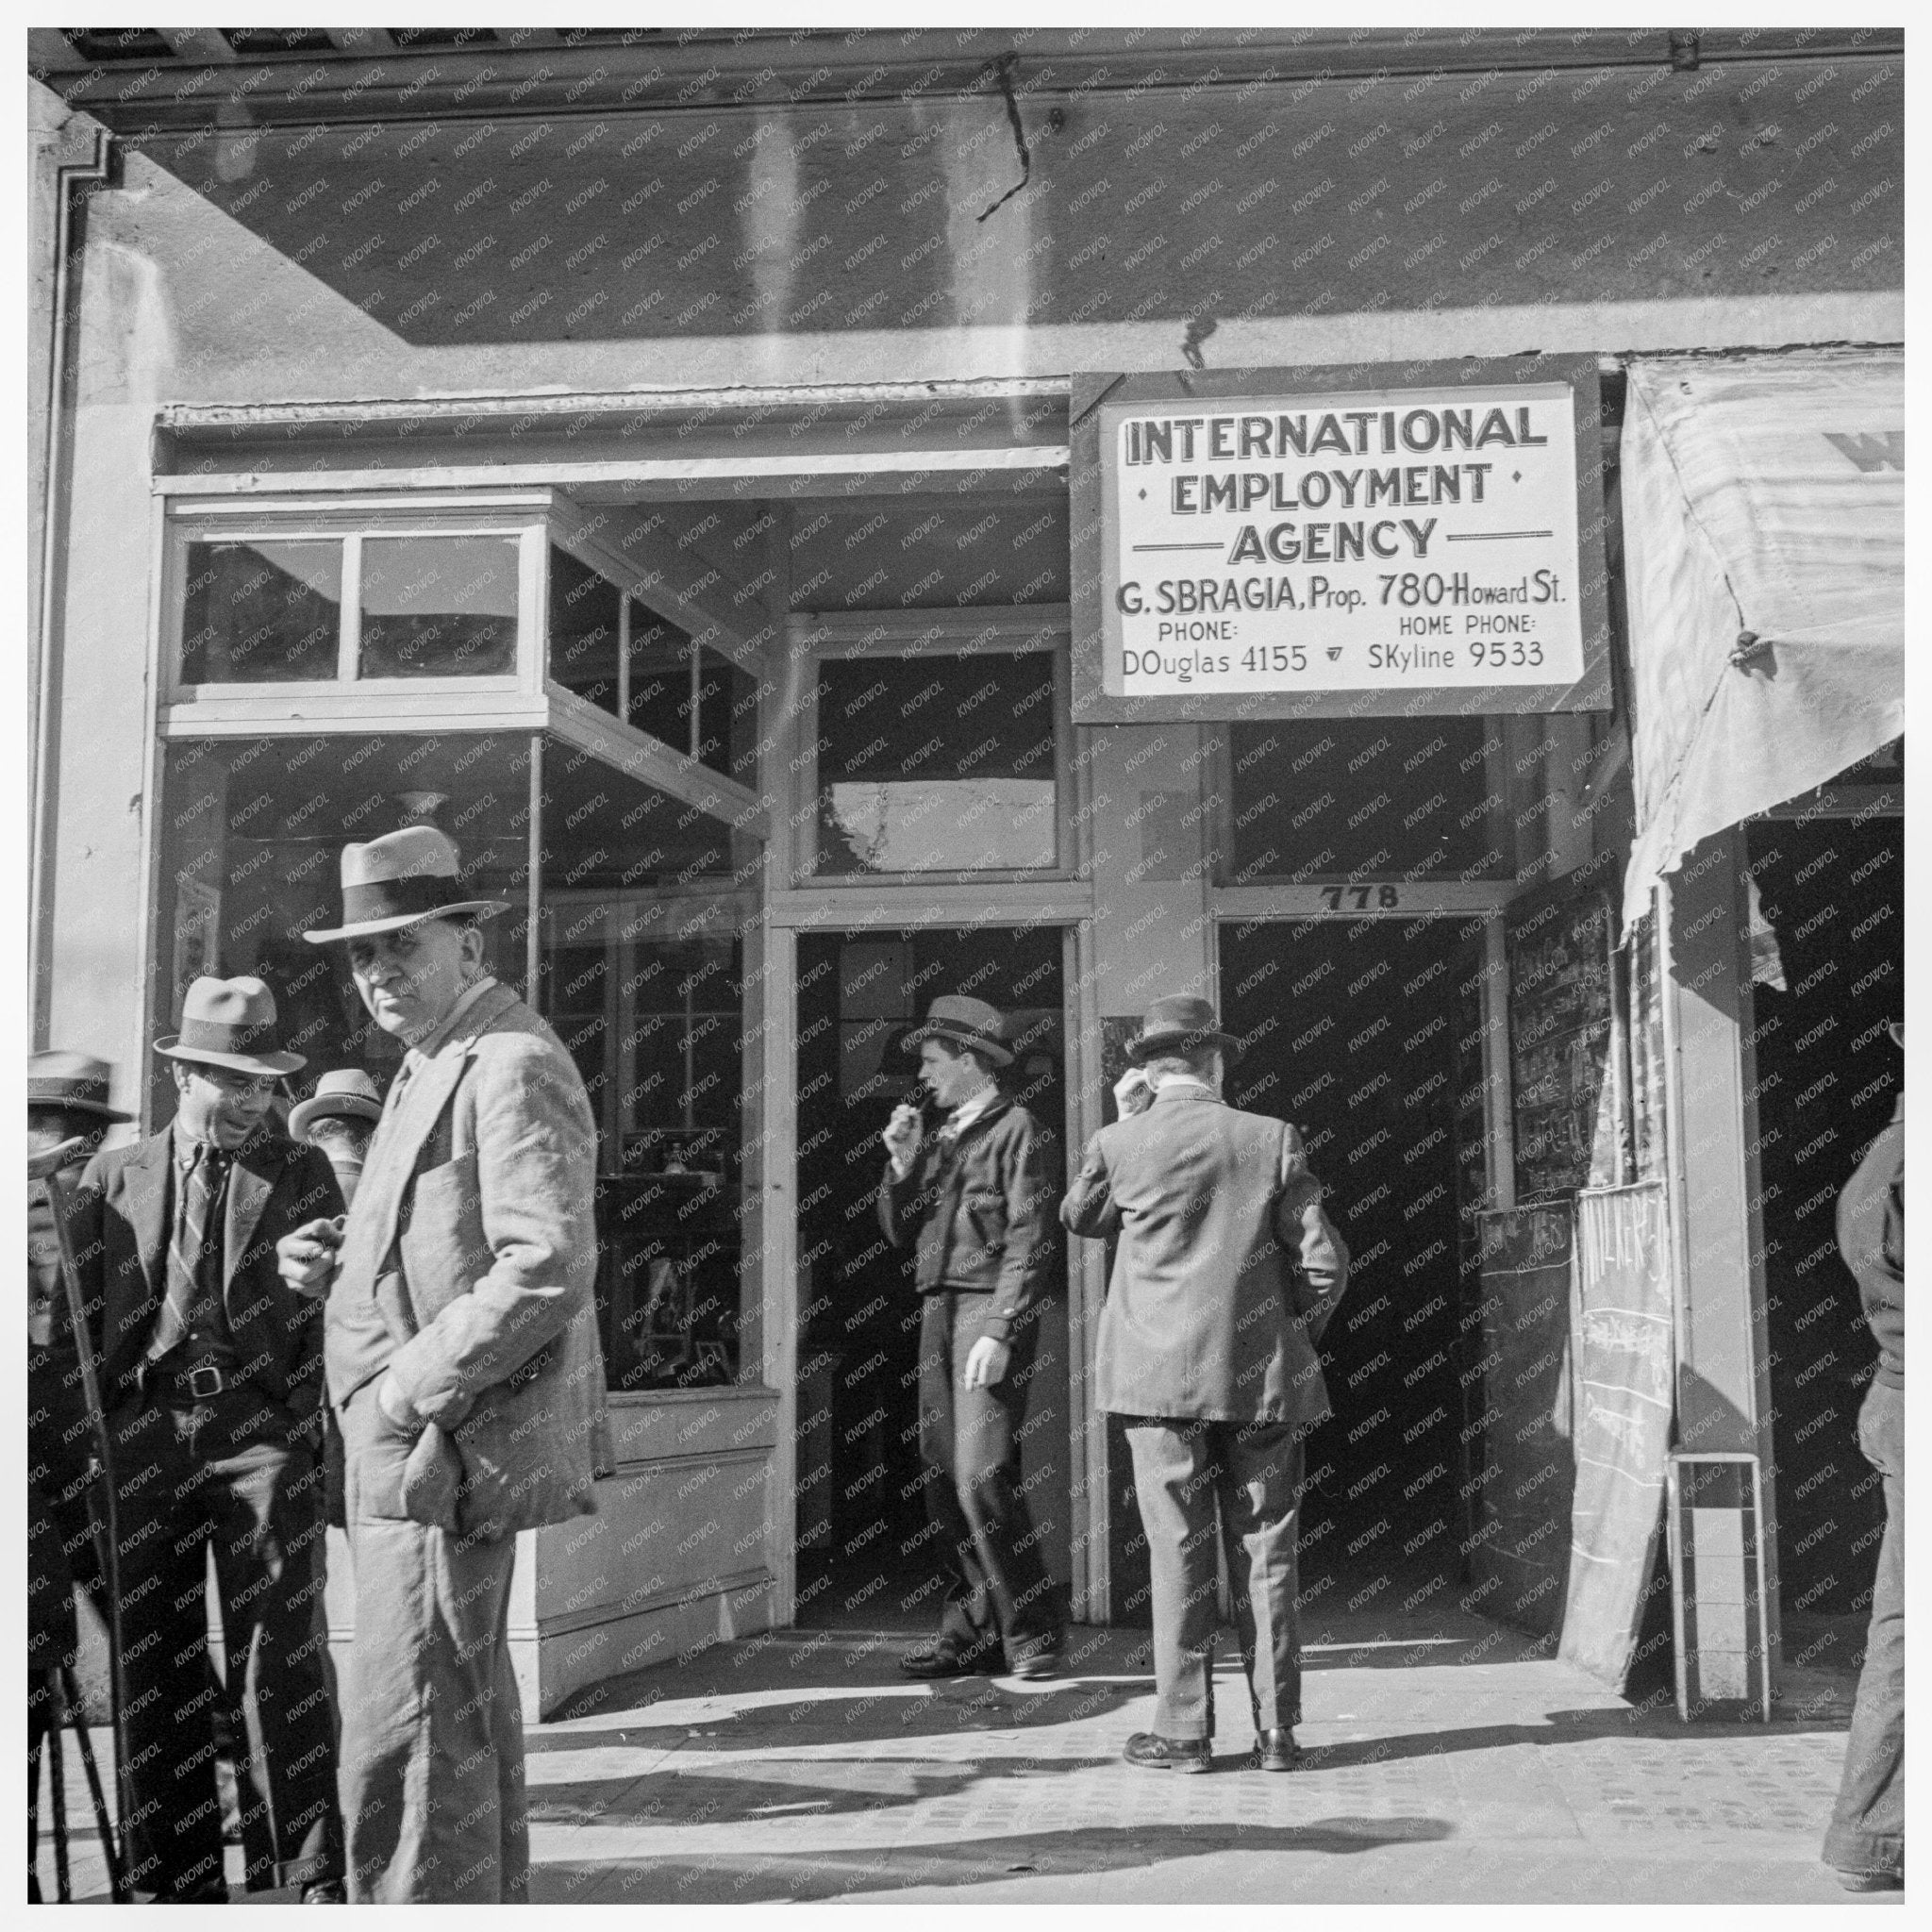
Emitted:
pixel 1764 533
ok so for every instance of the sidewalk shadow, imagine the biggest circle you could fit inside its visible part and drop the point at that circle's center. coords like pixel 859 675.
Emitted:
pixel 806 1875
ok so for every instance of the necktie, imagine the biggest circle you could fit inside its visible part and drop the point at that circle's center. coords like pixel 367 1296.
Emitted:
pixel 188 1251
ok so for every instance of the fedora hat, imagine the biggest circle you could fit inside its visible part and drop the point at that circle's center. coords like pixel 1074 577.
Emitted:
pixel 74 1082
pixel 1178 1025
pixel 401 879
pixel 966 1022
pixel 230 1023
pixel 348 1093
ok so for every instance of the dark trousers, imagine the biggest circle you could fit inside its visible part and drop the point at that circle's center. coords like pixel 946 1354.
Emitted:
pixel 432 1723
pixel 998 1586
pixel 1868 1823
pixel 224 1472
pixel 1195 1480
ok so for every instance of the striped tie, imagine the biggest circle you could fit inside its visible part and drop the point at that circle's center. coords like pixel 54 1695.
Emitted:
pixel 188 1251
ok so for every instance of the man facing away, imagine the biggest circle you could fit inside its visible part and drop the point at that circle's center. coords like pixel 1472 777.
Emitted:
pixel 973 1201
pixel 1225 1273
pixel 210 1376
pixel 464 1369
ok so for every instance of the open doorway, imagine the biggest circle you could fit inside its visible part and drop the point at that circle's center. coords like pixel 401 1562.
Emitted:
pixel 865 1551
pixel 1366 1034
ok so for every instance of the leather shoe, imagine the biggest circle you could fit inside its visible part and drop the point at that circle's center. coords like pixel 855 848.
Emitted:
pixel 943 1661
pixel 1033 1658
pixel 1152 1751
pixel 325 1891
pixel 1870 1881
pixel 1275 1750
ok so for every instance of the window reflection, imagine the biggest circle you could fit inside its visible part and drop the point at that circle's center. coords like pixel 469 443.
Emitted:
pixel 936 763
pixel 260 612
pixel 439 607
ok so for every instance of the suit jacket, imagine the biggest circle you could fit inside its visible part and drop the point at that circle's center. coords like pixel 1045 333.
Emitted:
pixel 473 1231
pixel 1226 1270
pixel 979 1217
pixel 121 1222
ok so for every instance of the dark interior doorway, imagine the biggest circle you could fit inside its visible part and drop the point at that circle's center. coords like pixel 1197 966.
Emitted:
pixel 864 1552
pixel 1361 1033
pixel 1833 894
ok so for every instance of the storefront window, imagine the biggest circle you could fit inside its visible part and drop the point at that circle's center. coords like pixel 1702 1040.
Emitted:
pixel 643 913
pixel 1398 798
pixel 261 612
pixel 643 907
pixel 936 763
pixel 585 632
pixel 439 607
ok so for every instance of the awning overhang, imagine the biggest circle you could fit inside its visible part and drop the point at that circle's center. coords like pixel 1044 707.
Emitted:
pixel 1764 546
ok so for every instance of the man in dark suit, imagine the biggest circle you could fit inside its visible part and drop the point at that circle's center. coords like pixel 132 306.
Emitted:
pixel 973 1202
pixel 1226 1274
pixel 210 1373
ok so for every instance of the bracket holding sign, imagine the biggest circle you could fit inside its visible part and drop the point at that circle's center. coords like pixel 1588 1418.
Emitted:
pixel 1402 539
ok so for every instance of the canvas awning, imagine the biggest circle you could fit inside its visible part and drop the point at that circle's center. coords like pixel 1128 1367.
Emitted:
pixel 1764 546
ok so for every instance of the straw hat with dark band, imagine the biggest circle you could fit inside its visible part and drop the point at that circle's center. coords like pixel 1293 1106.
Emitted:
pixel 964 1022
pixel 401 879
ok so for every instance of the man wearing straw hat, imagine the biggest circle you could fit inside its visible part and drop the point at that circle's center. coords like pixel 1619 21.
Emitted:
pixel 464 1369
pixel 210 1376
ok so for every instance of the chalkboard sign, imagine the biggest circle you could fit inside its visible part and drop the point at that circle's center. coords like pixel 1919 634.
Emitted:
pixel 1560 946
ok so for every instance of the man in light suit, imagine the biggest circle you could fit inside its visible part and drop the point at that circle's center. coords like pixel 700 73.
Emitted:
pixel 1225 1273
pixel 464 1368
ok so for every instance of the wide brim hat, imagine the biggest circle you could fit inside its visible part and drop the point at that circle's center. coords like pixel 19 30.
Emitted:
pixel 230 1023
pixel 966 1022
pixel 1180 1024
pixel 74 1082
pixel 348 1093
pixel 402 879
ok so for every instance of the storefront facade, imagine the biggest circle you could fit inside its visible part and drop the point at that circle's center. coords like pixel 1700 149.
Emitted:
pixel 659 462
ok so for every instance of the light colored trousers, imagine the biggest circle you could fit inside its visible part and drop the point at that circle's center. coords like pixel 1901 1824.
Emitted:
pixel 432 1750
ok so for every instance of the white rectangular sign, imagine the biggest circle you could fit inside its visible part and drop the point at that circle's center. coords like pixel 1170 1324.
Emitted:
pixel 1393 541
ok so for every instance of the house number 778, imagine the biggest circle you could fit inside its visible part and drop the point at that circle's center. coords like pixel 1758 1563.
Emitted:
pixel 1387 898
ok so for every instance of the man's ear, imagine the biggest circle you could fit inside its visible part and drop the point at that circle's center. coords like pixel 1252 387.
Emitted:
pixel 472 950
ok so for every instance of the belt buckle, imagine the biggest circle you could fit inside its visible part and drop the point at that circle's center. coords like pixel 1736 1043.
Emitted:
pixel 203 1382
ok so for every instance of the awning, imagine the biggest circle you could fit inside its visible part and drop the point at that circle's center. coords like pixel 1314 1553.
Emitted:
pixel 1764 546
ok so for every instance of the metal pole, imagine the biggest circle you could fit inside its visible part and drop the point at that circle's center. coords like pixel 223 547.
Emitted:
pixel 107 1532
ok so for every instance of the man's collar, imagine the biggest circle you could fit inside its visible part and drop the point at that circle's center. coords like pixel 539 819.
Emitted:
pixel 1184 1087
pixel 969 1110
pixel 427 1048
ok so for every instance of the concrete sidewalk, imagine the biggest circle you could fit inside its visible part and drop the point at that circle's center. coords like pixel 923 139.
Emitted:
pixel 1452 1762
pixel 1448 1760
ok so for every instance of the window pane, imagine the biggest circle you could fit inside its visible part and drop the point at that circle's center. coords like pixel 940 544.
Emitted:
pixel 583 631
pixel 660 679
pixel 727 717
pixel 644 979
pixel 937 764
pixel 253 833
pixel 261 613
pixel 439 607
pixel 1404 798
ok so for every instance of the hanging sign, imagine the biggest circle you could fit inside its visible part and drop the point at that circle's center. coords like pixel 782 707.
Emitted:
pixel 1280 542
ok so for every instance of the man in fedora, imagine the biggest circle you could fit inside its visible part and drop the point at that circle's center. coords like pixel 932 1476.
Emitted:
pixel 464 1368
pixel 974 1201
pixel 1225 1273
pixel 339 1117
pixel 211 1371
